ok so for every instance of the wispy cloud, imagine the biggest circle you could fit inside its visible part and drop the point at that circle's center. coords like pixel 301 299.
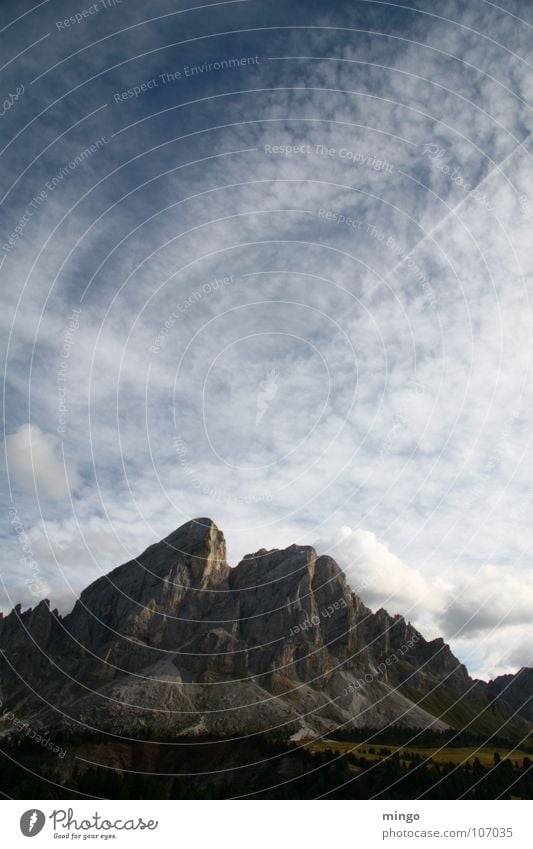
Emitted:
pixel 373 375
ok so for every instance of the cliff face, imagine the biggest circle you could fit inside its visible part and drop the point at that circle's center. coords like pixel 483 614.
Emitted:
pixel 176 642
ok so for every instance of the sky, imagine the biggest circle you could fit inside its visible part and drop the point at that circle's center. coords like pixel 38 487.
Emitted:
pixel 270 263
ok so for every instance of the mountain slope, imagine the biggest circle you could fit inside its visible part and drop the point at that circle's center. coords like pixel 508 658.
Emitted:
pixel 517 690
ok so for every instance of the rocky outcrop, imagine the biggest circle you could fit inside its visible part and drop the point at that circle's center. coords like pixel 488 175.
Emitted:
pixel 176 643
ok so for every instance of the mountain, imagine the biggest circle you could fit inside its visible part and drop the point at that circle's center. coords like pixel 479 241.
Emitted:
pixel 176 643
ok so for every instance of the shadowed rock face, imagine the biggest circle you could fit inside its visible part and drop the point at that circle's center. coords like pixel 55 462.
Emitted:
pixel 177 642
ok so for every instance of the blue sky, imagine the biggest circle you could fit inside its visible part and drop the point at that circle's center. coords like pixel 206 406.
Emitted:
pixel 270 265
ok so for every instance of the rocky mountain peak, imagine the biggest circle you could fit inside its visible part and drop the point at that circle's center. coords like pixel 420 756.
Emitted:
pixel 178 642
pixel 195 534
pixel 205 545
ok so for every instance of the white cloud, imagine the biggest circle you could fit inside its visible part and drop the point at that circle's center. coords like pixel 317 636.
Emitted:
pixel 380 577
pixel 494 596
pixel 34 461
pixel 497 651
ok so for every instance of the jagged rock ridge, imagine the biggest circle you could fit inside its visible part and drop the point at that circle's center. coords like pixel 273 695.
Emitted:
pixel 176 642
